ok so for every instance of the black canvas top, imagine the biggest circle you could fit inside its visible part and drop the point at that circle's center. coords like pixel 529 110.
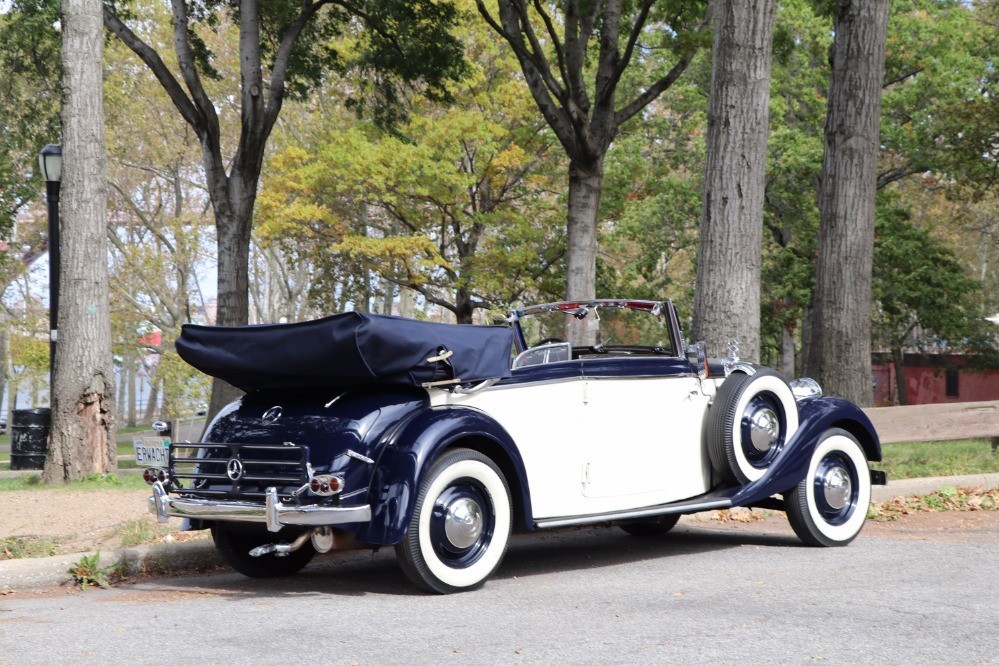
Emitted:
pixel 348 348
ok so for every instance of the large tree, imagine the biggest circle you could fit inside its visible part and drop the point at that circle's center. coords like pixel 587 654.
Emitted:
pixel 727 296
pixel 83 407
pixel 839 356
pixel 284 48
pixel 582 79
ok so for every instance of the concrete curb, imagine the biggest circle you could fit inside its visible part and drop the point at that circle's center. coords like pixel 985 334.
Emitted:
pixel 159 558
pixel 201 554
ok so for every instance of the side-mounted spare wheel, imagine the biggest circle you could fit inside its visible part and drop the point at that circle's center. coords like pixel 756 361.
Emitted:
pixel 460 526
pixel 829 506
pixel 751 419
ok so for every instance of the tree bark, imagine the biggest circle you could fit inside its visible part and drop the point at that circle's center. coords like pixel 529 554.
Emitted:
pixel 727 292
pixel 585 185
pixel 132 385
pixel 839 356
pixel 787 360
pixel 83 409
pixel 898 358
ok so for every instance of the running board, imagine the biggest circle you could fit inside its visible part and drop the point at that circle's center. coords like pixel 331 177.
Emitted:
pixel 660 510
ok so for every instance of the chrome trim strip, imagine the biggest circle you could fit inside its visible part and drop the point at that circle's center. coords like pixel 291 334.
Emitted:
pixel 274 514
pixel 690 507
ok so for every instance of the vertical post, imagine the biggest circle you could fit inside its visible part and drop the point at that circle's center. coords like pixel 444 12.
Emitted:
pixel 995 445
pixel 52 196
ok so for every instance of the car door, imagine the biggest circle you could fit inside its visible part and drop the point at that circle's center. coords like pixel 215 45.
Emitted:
pixel 643 420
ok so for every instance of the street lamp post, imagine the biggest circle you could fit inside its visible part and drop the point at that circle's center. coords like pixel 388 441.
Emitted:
pixel 50 161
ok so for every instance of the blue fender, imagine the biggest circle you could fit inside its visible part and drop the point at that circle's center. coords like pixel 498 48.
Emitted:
pixel 816 416
pixel 412 449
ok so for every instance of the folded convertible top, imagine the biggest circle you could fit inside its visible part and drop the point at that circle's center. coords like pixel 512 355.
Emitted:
pixel 347 349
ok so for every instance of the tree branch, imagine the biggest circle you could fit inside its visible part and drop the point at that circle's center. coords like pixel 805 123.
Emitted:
pixel 152 59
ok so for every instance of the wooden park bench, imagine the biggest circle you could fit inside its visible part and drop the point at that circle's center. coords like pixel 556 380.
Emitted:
pixel 929 423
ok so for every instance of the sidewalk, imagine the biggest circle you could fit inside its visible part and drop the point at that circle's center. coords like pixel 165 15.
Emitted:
pixel 201 555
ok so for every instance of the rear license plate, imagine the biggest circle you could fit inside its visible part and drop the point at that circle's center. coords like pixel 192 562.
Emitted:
pixel 152 451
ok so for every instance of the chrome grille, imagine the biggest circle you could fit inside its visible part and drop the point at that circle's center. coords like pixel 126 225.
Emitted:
pixel 237 470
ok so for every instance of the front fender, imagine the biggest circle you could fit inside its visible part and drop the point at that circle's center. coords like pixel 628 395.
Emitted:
pixel 816 415
pixel 412 449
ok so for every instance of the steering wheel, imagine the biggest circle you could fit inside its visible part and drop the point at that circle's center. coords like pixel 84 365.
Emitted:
pixel 546 341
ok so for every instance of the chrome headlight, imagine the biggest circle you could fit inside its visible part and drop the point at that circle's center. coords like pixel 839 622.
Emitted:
pixel 805 388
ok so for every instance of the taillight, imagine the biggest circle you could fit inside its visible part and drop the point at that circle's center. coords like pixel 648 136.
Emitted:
pixel 326 484
pixel 153 474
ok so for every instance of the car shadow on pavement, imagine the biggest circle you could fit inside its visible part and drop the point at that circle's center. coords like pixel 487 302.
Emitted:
pixel 361 572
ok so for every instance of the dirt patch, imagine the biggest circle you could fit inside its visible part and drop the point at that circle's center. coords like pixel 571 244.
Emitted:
pixel 78 521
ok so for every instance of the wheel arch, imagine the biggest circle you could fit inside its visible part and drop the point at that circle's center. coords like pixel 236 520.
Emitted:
pixel 412 449
pixel 817 415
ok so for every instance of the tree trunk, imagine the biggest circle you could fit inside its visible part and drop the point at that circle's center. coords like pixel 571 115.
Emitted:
pixel 727 293
pixel 585 185
pixel 4 372
pixel 149 414
pixel 787 359
pixel 898 357
pixel 840 354
pixel 233 283
pixel 133 385
pixel 83 409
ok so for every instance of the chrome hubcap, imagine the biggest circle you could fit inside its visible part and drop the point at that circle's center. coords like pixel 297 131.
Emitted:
pixel 463 522
pixel 764 428
pixel 836 487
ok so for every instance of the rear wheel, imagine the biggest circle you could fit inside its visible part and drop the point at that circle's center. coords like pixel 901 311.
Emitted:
pixel 460 526
pixel 651 528
pixel 234 546
pixel 829 506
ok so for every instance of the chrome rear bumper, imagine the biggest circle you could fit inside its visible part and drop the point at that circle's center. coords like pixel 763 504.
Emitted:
pixel 273 513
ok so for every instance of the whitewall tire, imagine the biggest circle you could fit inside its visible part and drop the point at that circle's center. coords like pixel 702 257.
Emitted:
pixel 829 506
pixel 752 417
pixel 460 526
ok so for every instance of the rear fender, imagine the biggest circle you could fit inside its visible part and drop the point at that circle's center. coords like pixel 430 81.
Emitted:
pixel 411 450
pixel 817 415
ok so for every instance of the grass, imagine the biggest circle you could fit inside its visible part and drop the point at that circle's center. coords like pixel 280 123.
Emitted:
pixel 15 548
pixel 91 482
pixel 912 460
pixel 138 532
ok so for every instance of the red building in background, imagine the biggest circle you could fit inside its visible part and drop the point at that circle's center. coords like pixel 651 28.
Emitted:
pixel 932 378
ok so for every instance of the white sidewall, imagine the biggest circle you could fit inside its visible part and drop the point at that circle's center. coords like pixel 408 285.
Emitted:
pixel 759 385
pixel 849 529
pixel 493 484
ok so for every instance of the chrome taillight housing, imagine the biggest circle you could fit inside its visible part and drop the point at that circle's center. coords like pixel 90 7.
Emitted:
pixel 326 484
pixel 153 474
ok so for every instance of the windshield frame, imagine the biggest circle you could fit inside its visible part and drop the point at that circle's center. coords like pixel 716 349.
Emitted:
pixel 654 308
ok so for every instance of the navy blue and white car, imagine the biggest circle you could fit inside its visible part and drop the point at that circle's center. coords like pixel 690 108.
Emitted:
pixel 442 440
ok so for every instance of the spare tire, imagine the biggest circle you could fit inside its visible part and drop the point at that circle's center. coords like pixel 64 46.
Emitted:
pixel 751 419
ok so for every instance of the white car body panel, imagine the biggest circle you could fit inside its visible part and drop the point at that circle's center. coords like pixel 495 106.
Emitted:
pixel 578 461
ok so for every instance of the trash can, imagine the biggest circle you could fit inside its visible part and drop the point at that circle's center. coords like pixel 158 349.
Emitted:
pixel 29 437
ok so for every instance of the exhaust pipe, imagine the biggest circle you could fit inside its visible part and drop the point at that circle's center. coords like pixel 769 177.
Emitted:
pixel 281 549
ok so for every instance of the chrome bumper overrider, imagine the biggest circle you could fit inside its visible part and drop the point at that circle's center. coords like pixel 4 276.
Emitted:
pixel 273 513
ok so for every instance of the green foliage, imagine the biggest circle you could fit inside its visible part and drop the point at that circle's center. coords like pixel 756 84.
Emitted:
pixel 16 548
pixel 923 295
pixel 454 203
pixel 139 532
pixel 88 571
pixel 92 482
pixel 29 99
pixel 913 460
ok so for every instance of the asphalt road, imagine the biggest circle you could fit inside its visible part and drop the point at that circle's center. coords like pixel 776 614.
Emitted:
pixel 705 593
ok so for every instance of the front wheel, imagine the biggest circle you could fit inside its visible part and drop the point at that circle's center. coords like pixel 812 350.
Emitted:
pixel 829 506
pixel 460 526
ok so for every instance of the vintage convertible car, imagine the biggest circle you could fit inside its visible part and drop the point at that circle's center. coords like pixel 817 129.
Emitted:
pixel 441 440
